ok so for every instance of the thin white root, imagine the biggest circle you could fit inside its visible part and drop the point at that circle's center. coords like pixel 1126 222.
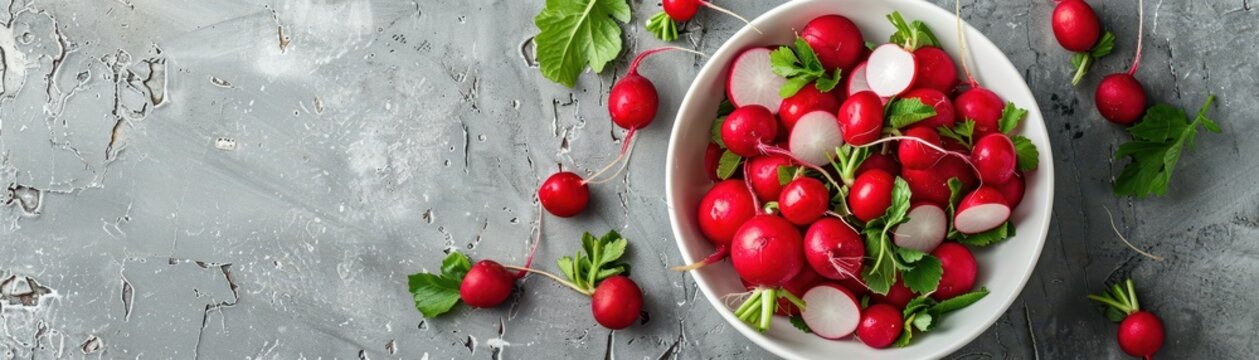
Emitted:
pixel 1125 240
pixel 731 13
pixel 733 300
pixel 624 159
pixel 961 39
pixel 1136 60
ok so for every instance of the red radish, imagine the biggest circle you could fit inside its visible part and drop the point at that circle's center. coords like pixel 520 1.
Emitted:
pixel 933 184
pixel 870 195
pixel 834 249
pixel 752 80
pixel 767 251
pixel 880 161
pixel 815 138
pixel 936 70
pixel 960 270
pixel 564 194
pixel 861 118
pixel 995 158
pixel 747 129
pixel 898 295
pixel 832 312
pixel 982 106
pixel 724 208
pixel 836 40
pixel 617 302
pixel 881 325
pixel 1012 191
pixel 914 155
pixel 855 286
pixel 805 280
pixel 1141 332
pixel 1075 25
pixel 807 100
pixel 891 70
pixel 712 159
pixel 982 210
pixel 927 226
pixel 487 284
pixel 938 100
pixel 857 80
pixel 803 200
pixel 684 10
pixel 763 175
pixel 1120 97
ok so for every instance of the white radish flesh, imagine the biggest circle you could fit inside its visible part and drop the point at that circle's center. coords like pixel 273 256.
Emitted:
pixel 926 228
pixel 857 80
pixel 815 135
pixel 831 311
pixel 982 210
pixel 891 70
pixel 752 81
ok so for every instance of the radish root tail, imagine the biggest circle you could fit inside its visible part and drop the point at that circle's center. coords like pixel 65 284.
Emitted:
pixel 533 249
pixel 627 150
pixel 961 40
pixel 633 68
pixel 1125 240
pixel 1136 60
pixel 731 13
pixel 720 254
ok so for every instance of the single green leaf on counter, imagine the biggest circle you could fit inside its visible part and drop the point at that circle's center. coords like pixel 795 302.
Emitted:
pixel 436 294
pixel 905 112
pixel 1028 156
pixel 727 165
pixel 801 66
pixel 911 35
pixel 575 33
pixel 663 27
pixel 1157 142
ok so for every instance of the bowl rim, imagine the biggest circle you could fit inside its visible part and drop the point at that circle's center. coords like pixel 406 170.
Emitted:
pixel 973 36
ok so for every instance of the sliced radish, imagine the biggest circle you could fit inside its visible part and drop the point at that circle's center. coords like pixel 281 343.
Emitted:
pixel 927 226
pixel 857 80
pixel 831 311
pixel 891 70
pixel 982 210
pixel 815 135
pixel 752 81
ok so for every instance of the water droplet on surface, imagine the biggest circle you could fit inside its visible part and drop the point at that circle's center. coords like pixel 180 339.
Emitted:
pixel 225 144
pixel 30 199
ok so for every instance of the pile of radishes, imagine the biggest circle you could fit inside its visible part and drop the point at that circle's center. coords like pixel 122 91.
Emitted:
pixel 851 181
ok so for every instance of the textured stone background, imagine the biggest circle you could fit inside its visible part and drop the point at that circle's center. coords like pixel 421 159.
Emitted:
pixel 240 179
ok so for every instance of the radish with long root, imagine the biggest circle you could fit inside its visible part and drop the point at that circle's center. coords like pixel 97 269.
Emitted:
pixel 722 211
pixel 750 131
pixel 976 104
pixel 664 25
pixel 616 301
pixel 767 253
pixel 1120 97
pixel 1140 332
pixel 1077 29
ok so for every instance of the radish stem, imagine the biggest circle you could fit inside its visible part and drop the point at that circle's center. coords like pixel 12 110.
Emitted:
pixel 961 38
pixel 721 253
pixel 633 68
pixel 769 302
pixel 553 277
pixel 1136 60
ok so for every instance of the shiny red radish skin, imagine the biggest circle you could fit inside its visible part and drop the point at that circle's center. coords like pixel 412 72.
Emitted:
pixel 936 70
pixel 616 302
pixel 564 194
pixel 815 138
pixel 834 249
pixel 1141 334
pixel 898 295
pixel 1075 25
pixel 836 40
pixel 915 155
pixel 752 81
pixel 832 311
pixel 937 100
pixel 861 118
pixel 763 175
pixel 767 251
pixel 681 10
pixel 933 184
pixel 880 161
pixel 1012 190
pixel 1120 98
pixel 960 270
pixel 804 200
pixel 891 70
pixel 981 105
pixel 870 195
pixel 724 209
pixel 880 326
pixel 995 158
pixel 747 129
pixel 712 160
pixel 982 210
pixel 807 100
pixel 927 227
pixel 633 101
pixel 805 280
pixel 487 284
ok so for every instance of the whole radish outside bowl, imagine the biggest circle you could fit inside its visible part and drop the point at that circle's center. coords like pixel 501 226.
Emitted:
pixel 1003 268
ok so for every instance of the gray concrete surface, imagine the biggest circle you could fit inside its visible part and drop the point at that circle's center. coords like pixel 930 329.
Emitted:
pixel 240 179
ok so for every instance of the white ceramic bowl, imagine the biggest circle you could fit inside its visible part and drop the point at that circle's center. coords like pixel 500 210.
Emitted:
pixel 1003 268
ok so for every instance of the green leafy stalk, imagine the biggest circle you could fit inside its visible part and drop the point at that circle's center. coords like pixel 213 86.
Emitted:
pixel 920 272
pixel 963 132
pixel 436 294
pixel 1156 146
pixel 663 27
pixel 846 161
pixel 1083 60
pixel 575 33
pixel 597 260
pixel 911 35
pixel 923 313
pixel 801 66
pixel 1120 300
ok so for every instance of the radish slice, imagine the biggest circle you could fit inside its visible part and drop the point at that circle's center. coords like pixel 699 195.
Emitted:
pixel 982 210
pixel 752 81
pixel 815 135
pixel 831 311
pixel 927 226
pixel 857 80
pixel 892 70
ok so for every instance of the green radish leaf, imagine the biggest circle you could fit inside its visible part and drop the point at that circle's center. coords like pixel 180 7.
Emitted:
pixel 784 62
pixel 456 265
pixel 910 256
pixel 576 33
pixel 798 322
pixel 924 276
pixel 910 36
pixel 1028 156
pixel 800 66
pixel 715 132
pixel 1104 46
pixel 905 112
pixel 728 163
pixel 436 294
pixel 963 132
pixel 907 332
pixel 793 86
pixel 725 108
pixel 1001 233
pixel 922 322
pixel 1156 147
pixel 786 173
pixel 663 27
pixel 1011 116
pixel 958 302
pixel 826 84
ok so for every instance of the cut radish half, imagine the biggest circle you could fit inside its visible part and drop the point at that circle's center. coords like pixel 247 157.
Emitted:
pixel 815 135
pixel 831 311
pixel 982 210
pixel 857 80
pixel 927 226
pixel 892 70
pixel 752 81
